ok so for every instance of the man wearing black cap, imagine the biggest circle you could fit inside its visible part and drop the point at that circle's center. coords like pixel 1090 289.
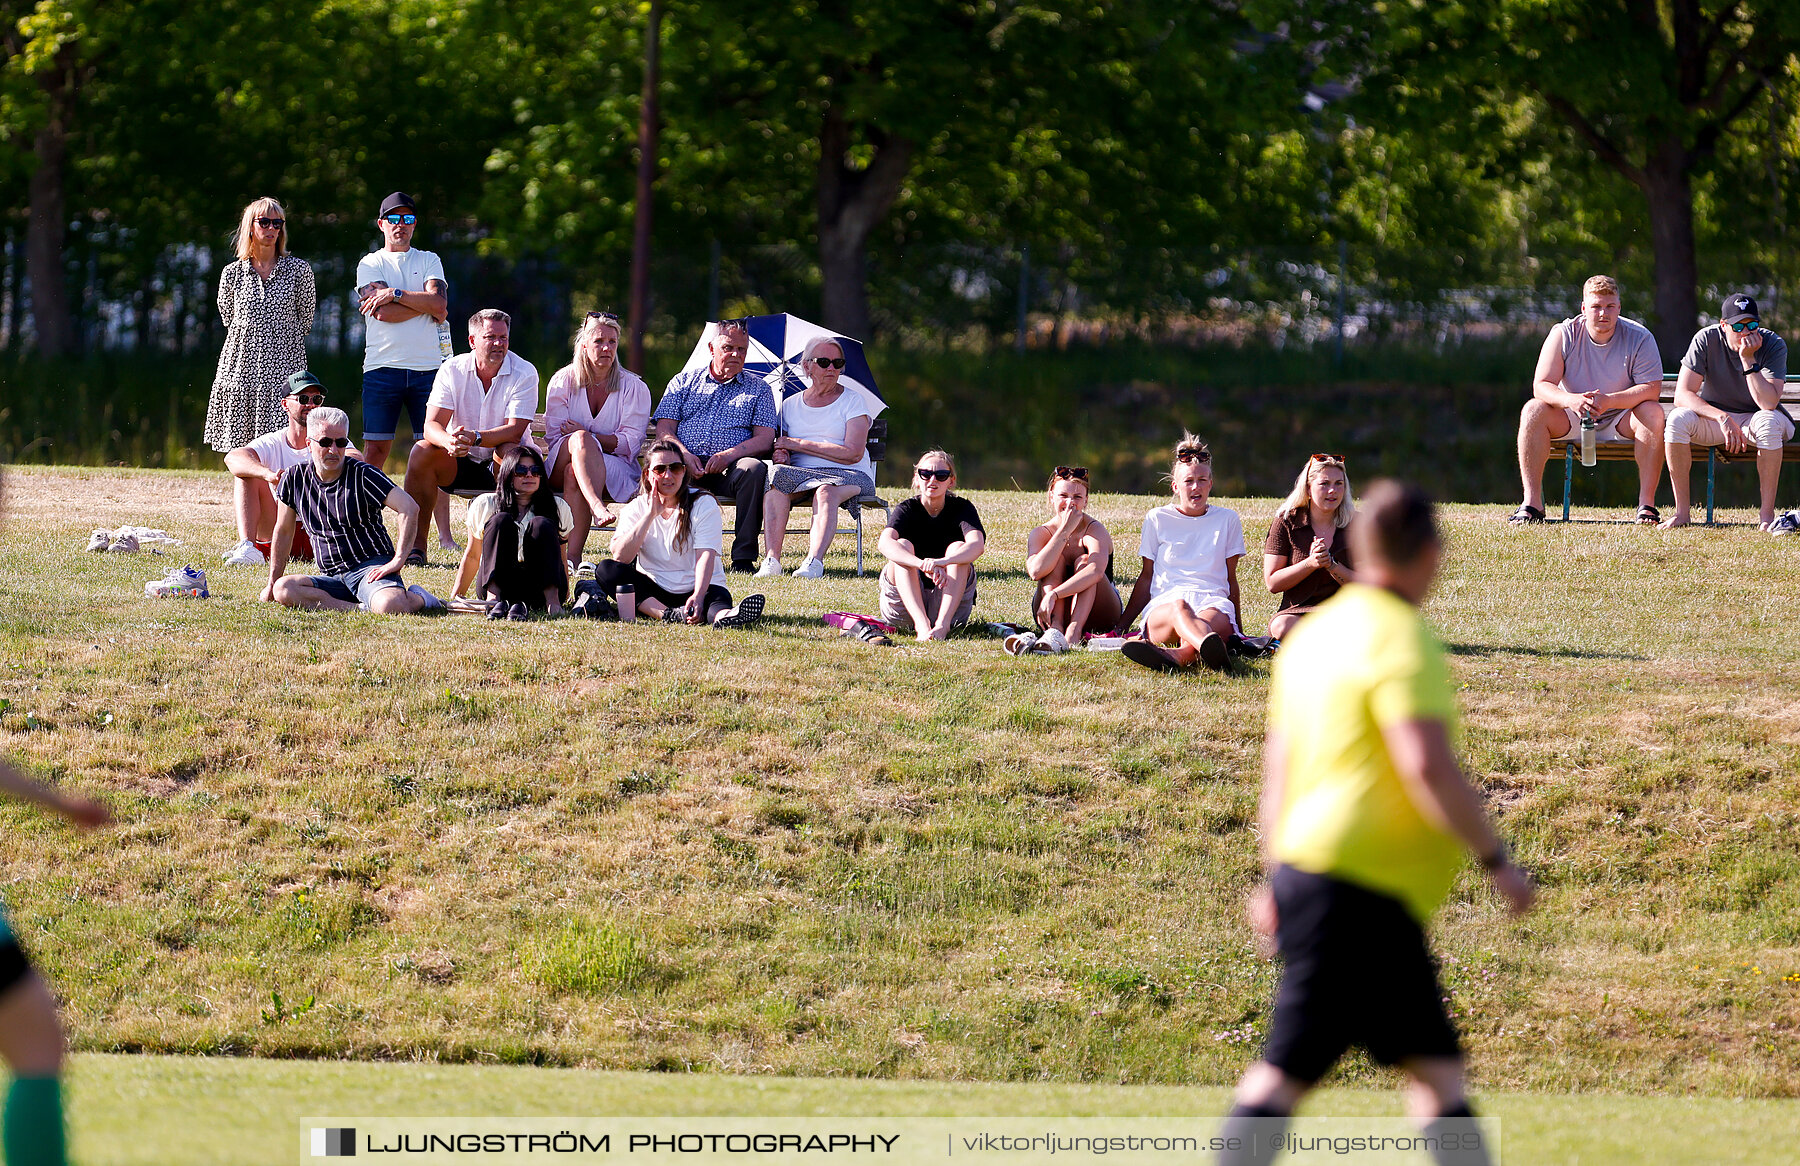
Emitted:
pixel 1729 394
pixel 403 297
pixel 257 467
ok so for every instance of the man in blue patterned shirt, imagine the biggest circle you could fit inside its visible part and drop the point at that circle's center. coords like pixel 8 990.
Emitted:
pixel 726 419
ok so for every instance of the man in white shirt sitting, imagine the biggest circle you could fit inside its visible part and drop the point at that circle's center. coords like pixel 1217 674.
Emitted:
pixel 482 402
pixel 257 467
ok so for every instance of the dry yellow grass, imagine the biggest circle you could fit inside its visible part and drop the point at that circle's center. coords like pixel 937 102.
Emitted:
pixel 783 852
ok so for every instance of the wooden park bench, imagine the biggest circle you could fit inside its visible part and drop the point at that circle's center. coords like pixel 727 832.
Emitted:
pixel 1621 450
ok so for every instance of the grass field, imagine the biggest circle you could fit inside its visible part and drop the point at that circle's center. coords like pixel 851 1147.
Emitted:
pixel 786 854
pixel 145 1111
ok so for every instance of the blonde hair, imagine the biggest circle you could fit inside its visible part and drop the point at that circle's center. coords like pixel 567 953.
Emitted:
pixel 581 368
pixel 1600 285
pixel 1300 497
pixel 241 237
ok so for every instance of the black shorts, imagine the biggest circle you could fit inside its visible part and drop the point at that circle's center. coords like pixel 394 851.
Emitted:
pixel 1358 972
pixel 472 475
pixel 14 966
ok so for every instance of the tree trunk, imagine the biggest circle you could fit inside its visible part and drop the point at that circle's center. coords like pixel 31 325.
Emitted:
pixel 648 126
pixel 1669 195
pixel 45 229
pixel 851 204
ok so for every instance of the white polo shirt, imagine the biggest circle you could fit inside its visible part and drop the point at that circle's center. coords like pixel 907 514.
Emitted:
pixel 514 394
pixel 413 343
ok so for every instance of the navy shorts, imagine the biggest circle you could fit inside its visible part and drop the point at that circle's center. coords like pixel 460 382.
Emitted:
pixel 386 391
pixel 1358 972
pixel 354 585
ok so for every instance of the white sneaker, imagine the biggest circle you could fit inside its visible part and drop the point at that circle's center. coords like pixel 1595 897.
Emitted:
pixel 244 554
pixel 582 572
pixel 99 540
pixel 1052 642
pixel 810 568
pixel 771 567
pixel 123 544
pixel 1020 644
pixel 188 582
pixel 1784 525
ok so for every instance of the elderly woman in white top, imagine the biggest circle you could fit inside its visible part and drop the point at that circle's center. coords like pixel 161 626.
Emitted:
pixel 823 451
pixel 594 415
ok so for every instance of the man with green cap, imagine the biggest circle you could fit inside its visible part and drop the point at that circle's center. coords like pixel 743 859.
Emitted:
pixel 258 466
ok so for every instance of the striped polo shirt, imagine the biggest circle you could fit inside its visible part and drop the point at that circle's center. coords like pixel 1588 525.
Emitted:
pixel 342 517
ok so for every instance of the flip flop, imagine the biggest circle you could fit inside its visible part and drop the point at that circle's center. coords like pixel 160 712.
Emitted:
pixel 1648 516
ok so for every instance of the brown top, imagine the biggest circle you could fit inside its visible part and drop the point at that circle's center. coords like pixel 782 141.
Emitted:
pixel 1291 535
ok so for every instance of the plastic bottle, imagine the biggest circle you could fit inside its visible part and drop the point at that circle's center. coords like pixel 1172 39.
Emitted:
pixel 625 595
pixel 1587 437
pixel 445 348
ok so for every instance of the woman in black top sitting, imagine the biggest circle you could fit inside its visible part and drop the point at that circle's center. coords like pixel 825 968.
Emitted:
pixel 521 528
pixel 931 544
pixel 1307 555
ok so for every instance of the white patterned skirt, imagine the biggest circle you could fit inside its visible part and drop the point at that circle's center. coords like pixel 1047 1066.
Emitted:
pixel 805 479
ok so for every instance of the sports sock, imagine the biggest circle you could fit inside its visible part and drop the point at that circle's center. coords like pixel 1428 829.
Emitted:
pixel 1467 1144
pixel 1254 1127
pixel 33 1134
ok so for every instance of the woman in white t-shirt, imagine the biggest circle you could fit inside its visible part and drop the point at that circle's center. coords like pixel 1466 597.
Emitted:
pixel 1187 588
pixel 594 416
pixel 667 548
pixel 823 450
pixel 516 535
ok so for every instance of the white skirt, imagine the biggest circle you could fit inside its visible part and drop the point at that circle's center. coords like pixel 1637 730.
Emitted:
pixel 1198 599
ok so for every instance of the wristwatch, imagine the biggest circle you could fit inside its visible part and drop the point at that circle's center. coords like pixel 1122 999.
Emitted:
pixel 399 293
pixel 1757 367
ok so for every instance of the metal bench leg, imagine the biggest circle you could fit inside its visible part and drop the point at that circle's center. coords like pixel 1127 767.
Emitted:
pixel 859 561
pixel 1568 472
pixel 1712 456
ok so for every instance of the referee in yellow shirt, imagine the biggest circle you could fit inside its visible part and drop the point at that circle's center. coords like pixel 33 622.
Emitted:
pixel 1365 816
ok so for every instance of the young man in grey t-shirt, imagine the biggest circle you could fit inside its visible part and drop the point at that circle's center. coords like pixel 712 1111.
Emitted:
pixel 1608 366
pixel 1729 394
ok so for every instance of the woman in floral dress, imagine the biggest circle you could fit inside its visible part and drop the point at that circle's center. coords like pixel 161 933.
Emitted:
pixel 267 299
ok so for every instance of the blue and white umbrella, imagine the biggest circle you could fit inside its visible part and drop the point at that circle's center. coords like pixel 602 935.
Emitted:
pixel 776 343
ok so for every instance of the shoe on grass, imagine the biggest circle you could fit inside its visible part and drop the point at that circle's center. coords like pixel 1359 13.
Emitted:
pixel 244 554
pixel 1213 652
pixel 810 568
pixel 124 544
pixel 497 610
pixel 416 558
pixel 770 569
pixel 519 613
pixel 1052 643
pixel 184 582
pixel 1786 524
pixel 1150 656
pixel 747 612
pixel 99 540
pixel 1019 643
pixel 432 602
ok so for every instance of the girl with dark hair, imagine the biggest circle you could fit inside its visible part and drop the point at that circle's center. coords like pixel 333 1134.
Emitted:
pixel 667 548
pixel 515 541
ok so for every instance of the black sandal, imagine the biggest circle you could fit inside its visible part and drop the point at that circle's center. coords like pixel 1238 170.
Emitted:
pixel 1526 516
pixel 416 558
pixel 1648 516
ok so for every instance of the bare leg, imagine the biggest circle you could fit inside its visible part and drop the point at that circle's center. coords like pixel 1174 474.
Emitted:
pixel 776 508
pixel 429 468
pixel 824 520
pixel 375 451
pixel 395 601
pixel 1281 624
pixel 950 597
pixel 1538 424
pixel 31 1037
pixel 467 568
pixel 1680 455
pixel 1265 1085
pixel 912 594
pixel 1644 425
pixel 1174 622
pixel 1050 615
pixel 255 506
pixel 1435 1085
pixel 446 537
pixel 565 479
pixel 1768 476
pixel 291 592
pixel 588 462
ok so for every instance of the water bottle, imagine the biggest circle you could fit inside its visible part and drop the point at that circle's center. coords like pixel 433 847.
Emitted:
pixel 445 348
pixel 625 595
pixel 1587 437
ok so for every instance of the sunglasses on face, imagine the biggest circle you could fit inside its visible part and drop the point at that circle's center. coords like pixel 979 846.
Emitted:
pixel 310 398
pixel 828 362
pixel 661 468
pixel 932 475
pixel 399 219
pixel 272 224
pixel 1190 456
pixel 331 442
pixel 528 471
pixel 1072 473
pixel 1330 459
pixel 1746 325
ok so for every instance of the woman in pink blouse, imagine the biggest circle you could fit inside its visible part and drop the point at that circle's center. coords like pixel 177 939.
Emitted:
pixel 594 415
